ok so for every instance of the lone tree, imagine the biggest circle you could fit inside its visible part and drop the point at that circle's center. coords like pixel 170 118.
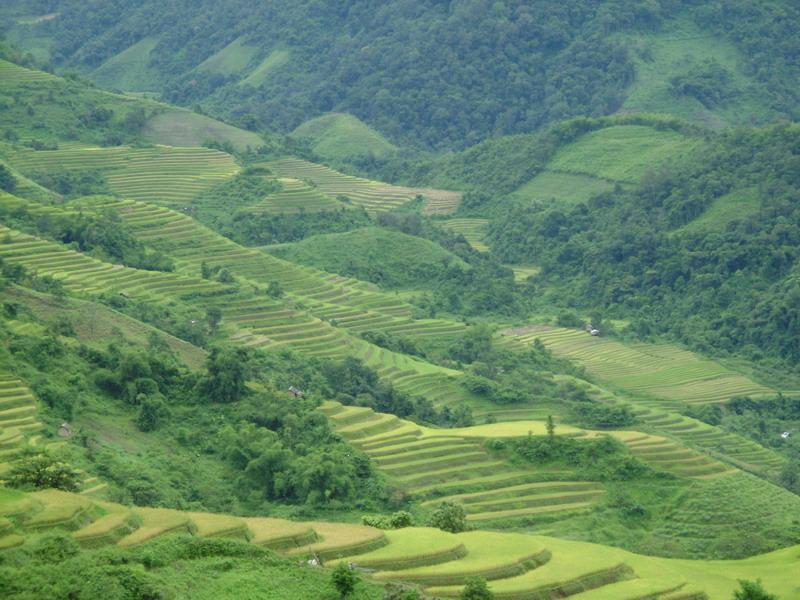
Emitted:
pixel 7 181
pixel 214 317
pixel 476 589
pixel 344 579
pixel 449 517
pixel 44 471
pixel 551 427
pixel 752 590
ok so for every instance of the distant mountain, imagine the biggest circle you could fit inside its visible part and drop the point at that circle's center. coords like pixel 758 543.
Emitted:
pixel 431 73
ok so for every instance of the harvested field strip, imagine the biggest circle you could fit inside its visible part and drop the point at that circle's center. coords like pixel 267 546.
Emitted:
pixel 489 555
pixel 155 522
pixel 521 490
pixel 115 524
pixel 279 534
pixel 414 547
pixel 59 509
pixel 342 539
pixel 215 525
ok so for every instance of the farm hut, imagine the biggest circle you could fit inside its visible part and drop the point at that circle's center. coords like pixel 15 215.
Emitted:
pixel 295 392
pixel 594 332
pixel 64 430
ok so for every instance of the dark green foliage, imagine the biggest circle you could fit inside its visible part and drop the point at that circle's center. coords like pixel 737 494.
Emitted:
pixel 73 183
pixel 39 471
pixel 168 567
pixel 396 520
pixel 709 83
pixel 604 459
pixel 457 75
pixel 354 383
pixel 752 590
pixel 151 411
pixel 475 588
pixel 227 373
pixel 449 516
pixel 730 289
pixel 262 229
pixel 390 341
pixel 344 579
pixel 104 236
pixel 8 182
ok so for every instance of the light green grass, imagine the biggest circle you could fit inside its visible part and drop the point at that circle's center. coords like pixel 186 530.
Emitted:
pixel 130 69
pixel 561 189
pixel 730 207
pixel 183 128
pixel 273 61
pixel 341 136
pixel 232 59
pixel 623 153
pixel 388 258
pixel 673 51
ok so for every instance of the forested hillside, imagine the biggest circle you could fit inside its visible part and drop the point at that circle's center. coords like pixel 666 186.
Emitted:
pixel 431 74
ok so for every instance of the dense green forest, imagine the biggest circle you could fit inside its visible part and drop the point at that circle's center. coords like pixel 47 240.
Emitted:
pixel 430 74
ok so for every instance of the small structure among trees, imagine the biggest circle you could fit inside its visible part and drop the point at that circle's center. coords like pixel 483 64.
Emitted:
pixel 64 430
pixel 295 392
pixel 593 331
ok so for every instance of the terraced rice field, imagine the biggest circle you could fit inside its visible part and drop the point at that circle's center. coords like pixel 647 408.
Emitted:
pixel 12 72
pixel 656 370
pixel 161 174
pixel 622 153
pixel 371 195
pixel 473 230
pixel 517 566
pixel 620 365
pixel 334 307
pixel 430 463
pixel 83 274
pixel 296 196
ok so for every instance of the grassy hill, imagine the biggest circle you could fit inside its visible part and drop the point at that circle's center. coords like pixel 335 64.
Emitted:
pixel 339 137
pixel 130 70
pixel 390 259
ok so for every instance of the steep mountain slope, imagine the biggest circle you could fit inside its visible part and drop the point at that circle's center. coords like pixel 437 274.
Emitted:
pixel 433 74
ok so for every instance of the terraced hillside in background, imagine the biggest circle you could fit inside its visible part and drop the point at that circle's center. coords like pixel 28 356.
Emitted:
pixel 516 565
pixel 334 309
pixel 660 377
pixel 453 464
pixel 161 174
pixel 601 159
pixel 297 196
pixel 473 231
pixel 371 195
pixel 666 372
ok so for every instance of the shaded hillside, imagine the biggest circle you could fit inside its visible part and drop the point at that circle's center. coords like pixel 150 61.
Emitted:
pixel 432 74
